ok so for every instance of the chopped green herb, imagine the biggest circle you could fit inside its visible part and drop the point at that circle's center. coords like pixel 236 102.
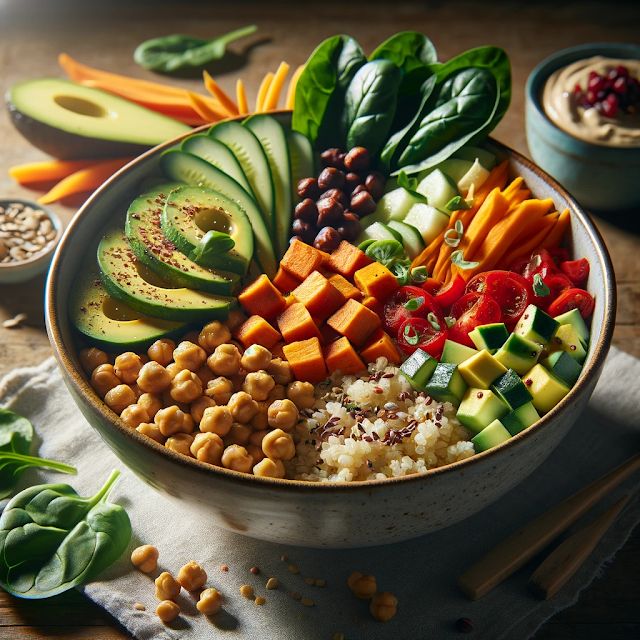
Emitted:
pixel 411 338
pixel 400 269
pixel 450 320
pixel 457 203
pixel 539 287
pixel 433 321
pixel 457 258
pixel 385 251
pixel 413 304
pixel 419 274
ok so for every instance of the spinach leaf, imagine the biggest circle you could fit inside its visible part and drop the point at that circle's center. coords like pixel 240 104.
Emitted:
pixel 51 539
pixel 16 434
pixel 370 104
pixel 408 50
pixel 465 106
pixel 321 87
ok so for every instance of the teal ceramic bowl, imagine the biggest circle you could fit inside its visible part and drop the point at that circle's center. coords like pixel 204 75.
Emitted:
pixel 599 177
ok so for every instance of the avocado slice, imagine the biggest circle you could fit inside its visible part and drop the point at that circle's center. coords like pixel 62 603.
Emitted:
pixel 446 384
pixel 127 279
pixel 68 120
pixel 479 408
pixel 456 353
pixel 546 389
pixel 190 213
pixel 491 436
pixel 418 368
pixel 154 250
pixel 109 323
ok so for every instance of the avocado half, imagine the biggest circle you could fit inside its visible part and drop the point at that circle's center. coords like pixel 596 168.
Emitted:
pixel 71 121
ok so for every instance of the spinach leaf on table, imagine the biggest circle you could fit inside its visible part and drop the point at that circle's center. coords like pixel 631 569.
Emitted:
pixel 51 539
pixel 408 50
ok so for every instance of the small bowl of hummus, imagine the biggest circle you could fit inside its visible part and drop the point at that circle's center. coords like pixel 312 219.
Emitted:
pixel 583 122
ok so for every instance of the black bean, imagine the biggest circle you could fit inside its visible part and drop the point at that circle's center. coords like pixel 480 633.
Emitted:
pixel 307 211
pixel 357 160
pixel 330 212
pixel 308 188
pixel 333 158
pixel 305 231
pixel 363 204
pixel 350 227
pixel 327 239
pixel 374 183
pixel 330 178
pixel 351 181
pixel 336 194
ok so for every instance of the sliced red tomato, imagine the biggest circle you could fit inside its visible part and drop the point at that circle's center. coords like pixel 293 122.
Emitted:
pixel 510 290
pixel 479 309
pixel 559 254
pixel 400 307
pixel 540 260
pixel 576 270
pixel 555 281
pixel 447 295
pixel 462 305
pixel 419 333
pixel 573 299
pixel 431 286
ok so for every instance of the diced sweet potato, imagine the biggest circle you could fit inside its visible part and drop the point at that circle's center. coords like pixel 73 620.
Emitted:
pixel 375 305
pixel 345 287
pixel 318 295
pixel 376 280
pixel 354 321
pixel 380 344
pixel 328 334
pixel 302 259
pixel 285 281
pixel 341 356
pixel 295 323
pixel 256 330
pixel 347 259
pixel 262 298
pixel 306 360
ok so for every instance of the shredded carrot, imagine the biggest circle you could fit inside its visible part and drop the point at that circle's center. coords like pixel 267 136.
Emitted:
pixel 275 88
pixel 263 90
pixel 291 90
pixel 217 92
pixel 204 110
pixel 557 233
pixel 48 170
pixel 87 179
pixel 522 248
pixel 241 98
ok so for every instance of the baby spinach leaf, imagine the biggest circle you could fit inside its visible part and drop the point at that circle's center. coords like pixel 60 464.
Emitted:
pixel 408 50
pixel 370 104
pixel 212 244
pixel 51 539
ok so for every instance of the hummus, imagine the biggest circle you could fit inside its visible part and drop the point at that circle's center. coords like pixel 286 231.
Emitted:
pixel 562 105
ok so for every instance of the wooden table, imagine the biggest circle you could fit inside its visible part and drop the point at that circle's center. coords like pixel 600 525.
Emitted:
pixel 104 35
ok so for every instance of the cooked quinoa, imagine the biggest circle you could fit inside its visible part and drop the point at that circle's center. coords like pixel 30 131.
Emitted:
pixel 375 426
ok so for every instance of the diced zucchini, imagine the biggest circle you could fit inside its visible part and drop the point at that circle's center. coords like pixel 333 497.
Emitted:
pixel 456 353
pixel 568 340
pixel 479 408
pixel 418 368
pixel 428 220
pixel 489 336
pixel 491 436
pixel 379 231
pixel 395 204
pixel 574 318
pixel 545 388
pixel 476 176
pixel 481 370
pixel 411 238
pixel 486 158
pixel 438 188
pixel 509 388
pixel 518 353
pixel 519 419
pixel 563 366
pixel 536 325
pixel 446 384
pixel 454 168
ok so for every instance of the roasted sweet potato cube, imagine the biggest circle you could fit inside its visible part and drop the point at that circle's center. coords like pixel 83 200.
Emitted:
pixel 295 323
pixel 341 356
pixel 256 330
pixel 306 360
pixel 347 259
pixel 302 259
pixel 354 321
pixel 262 298
pixel 318 295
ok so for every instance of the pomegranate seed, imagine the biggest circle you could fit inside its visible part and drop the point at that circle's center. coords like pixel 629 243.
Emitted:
pixel 621 70
pixel 612 74
pixel 592 97
pixel 610 106
pixel 593 74
pixel 620 86
pixel 597 83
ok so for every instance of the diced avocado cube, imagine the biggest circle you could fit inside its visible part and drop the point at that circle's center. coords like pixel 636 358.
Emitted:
pixel 574 318
pixel 479 408
pixel 446 384
pixel 536 325
pixel 546 389
pixel 568 340
pixel 563 366
pixel 455 353
pixel 521 418
pixel 518 353
pixel 491 436
pixel 489 336
pixel 418 368
pixel 481 370
pixel 509 388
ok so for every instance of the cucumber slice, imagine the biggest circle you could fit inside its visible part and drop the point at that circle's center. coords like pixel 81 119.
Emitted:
pixel 476 176
pixel 427 220
pixel 411 238
pixel 273 139
pixel 249 153
pixel 219 155
pixel 521 418
pixel 379 231
pixel 574 318
pixel 438 188
pixel 491 436
pixel 418 368
pixel 455 168
pixel 302 160
pixel 486 158
pixel 192 170
pixel 395 204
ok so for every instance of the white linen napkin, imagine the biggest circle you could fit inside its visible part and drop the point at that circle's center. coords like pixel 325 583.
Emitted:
pixel 421 573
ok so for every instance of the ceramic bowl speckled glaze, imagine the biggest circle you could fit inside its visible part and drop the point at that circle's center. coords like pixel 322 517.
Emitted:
pixel 599 177
pixel 325 515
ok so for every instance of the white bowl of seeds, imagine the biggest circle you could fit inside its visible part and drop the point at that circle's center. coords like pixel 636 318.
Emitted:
pixel 29 234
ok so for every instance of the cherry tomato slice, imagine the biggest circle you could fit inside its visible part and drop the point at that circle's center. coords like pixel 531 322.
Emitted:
pixel 418 333
pixel 576 270
pixel 462 305
pixel 539 260
pixel 483 310
pixel 560 254
pixel 447 295
pixel 395 312
pixel 573 299
pixel 557 283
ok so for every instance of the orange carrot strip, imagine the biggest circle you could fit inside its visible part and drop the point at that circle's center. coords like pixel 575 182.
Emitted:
pixel 48 170
pixel 493 209
pixel 87 179
pixel 217 92
pixel 241 98
pixel 523 248
pixel 557 233
pixel 262 91
pixel 275 88
pixel 291 90
pixel 203 109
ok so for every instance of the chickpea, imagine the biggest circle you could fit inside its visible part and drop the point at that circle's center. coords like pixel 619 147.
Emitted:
pixel 207 447
pixel 161 351
pixel 198 406
pixel 225 360
pixel 173 369
pixel 242 406
pixel 192 576
pixel 205 374
pixel 280 370
pixel 383 606
pixel 120 397
pixel 103 379
pixel 237 458
pixel 238 434
pixel 213 335
pixel 279 392
pixel 167 611
pixel 151 403
pixel 153 378
pixel 256 453
pixel 283 414
pixel 136 390
pixel 210 602
pixel 220 389
pixel 255 357
pixel 216 420
pixel 189 356
pixel 127 366
pixel 261 420
pixel 134 415
pixel 362 586
pixel 92 358
pixel 180 443
pixel 145 558
pixel 278 445
pixel 173 420
pixel 268 468
pixel 151 430
pixel 186 387
pixel 258 385
pixel 301 394
pixel 166 587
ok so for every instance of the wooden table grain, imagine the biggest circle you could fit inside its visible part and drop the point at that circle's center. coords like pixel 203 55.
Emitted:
pixel 104 34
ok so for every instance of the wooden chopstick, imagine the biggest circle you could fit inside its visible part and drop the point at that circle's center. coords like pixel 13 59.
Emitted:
pixel 517 549
pixel 564 561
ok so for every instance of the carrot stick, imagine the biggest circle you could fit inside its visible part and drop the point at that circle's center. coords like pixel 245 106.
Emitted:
pixel 204 110
pixel 48 170
pixel 87 179
pixel 557 233
pixel 493 209
pixel 520 249
pixel 291 90
pixel 275 88
pixel 262 91
pixel 217 92
pixel 241 98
